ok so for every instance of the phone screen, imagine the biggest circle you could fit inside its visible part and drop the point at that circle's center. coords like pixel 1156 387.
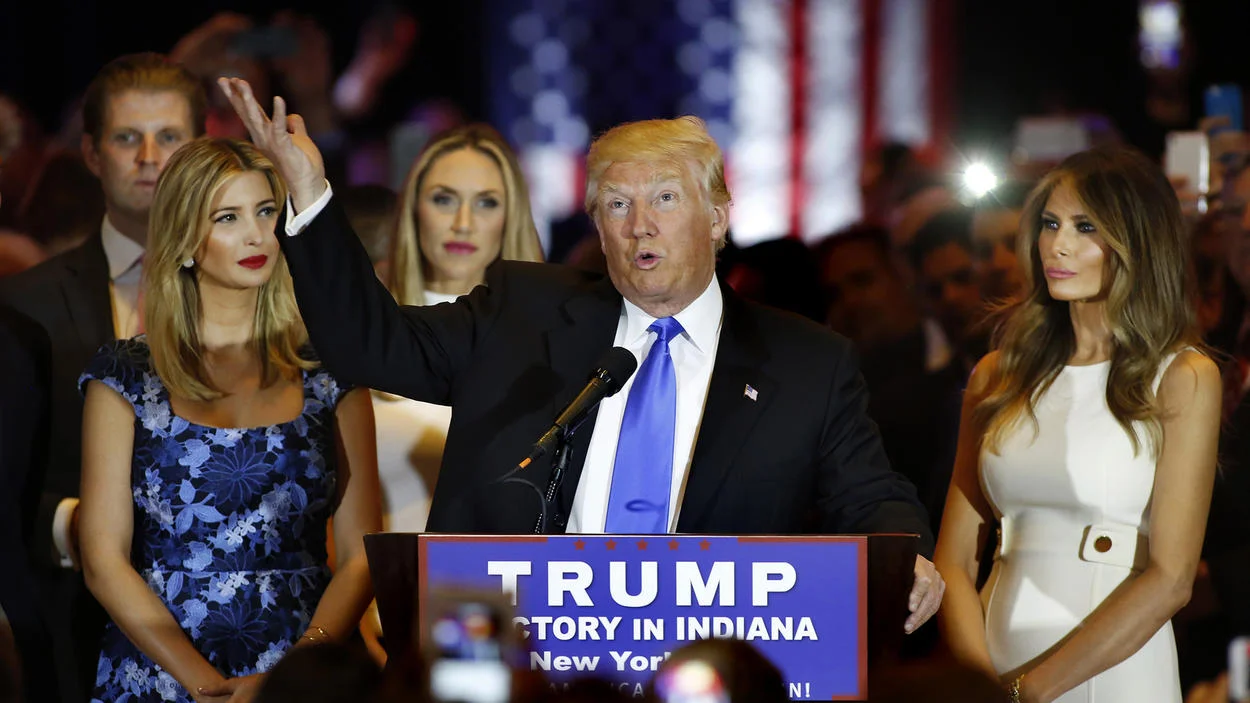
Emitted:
pixel 691 681
pixel 1160 34
pixel 1224 101
pixel 1188 156
pixel 1239 669
pixel 467 643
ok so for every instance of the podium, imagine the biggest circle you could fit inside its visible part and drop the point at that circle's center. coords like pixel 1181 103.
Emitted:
pixel 609 604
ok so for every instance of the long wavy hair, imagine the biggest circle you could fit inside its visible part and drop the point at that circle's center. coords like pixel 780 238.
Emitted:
pixel 1148 285
pixel 178 226
pixel 520 237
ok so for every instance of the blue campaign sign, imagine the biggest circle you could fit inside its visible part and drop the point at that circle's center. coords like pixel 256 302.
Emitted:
pixel 616 606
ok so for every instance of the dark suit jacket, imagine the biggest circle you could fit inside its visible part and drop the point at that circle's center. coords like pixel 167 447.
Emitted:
pixel 801 457
pixel 23 416
pixel 65 303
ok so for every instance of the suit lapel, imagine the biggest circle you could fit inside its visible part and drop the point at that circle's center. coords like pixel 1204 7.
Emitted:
pixel 87 294
pixel 737 394
pixel 573 348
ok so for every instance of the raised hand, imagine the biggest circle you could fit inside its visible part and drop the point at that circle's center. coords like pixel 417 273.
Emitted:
pixel 284 139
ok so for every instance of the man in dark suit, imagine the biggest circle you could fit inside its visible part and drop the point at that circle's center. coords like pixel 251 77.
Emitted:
pixel 763 430
pixel 137 111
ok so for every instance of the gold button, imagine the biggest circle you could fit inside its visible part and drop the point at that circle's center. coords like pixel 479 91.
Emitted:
pixel 1102 544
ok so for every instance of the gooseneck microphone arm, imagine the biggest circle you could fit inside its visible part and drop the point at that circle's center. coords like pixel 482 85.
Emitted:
pixel 610 374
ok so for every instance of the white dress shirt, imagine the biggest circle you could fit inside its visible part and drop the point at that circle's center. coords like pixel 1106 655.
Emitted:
pixel 125 260
pixel 694 355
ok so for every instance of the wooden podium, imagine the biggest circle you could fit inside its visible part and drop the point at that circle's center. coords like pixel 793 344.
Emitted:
pixel 884 574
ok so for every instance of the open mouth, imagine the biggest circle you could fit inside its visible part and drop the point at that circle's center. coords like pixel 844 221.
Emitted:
pixel 646 260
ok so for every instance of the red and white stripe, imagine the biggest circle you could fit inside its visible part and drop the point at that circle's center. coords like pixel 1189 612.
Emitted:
pixel 802 121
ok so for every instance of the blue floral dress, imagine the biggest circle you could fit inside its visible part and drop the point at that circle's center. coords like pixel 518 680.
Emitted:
pixel 229 527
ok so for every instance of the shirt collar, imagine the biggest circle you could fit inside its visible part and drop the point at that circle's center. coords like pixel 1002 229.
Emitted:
pixel 121 251
pixel 700 319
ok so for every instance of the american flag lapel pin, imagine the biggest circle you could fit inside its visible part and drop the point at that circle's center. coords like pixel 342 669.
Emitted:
pixel 750 392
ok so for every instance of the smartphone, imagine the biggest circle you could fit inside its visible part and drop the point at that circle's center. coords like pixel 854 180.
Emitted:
pixel 1224 100
pixel 267 41
pixel 1188 156
pixel 470 645
pixel 1049 139
pixel 1239 669
pixel 691 681
pixel 1160 33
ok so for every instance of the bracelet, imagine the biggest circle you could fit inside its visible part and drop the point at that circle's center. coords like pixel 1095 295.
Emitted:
pixel 321 636
pixel 1013 691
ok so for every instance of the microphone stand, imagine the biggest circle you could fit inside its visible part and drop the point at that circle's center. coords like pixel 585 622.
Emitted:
pixel 559 463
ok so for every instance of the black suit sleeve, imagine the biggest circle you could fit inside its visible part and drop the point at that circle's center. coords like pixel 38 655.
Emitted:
pixel 858 491
pixel 361 335
pixel 23 435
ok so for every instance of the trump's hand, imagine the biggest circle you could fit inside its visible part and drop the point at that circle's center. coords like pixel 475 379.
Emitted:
pixel 926 594
pixel 284 139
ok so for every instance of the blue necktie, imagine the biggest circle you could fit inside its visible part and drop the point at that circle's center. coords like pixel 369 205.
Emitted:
pixel 643 473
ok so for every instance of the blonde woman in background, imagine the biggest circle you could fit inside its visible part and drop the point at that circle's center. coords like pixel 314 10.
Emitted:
pixel 464 205
pixel 216 450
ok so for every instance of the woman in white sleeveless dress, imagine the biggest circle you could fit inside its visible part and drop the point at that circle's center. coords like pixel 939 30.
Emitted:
pixel 464 204
pixel 1089 436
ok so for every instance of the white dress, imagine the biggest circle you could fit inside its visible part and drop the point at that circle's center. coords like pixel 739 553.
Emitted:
pixel 1074 505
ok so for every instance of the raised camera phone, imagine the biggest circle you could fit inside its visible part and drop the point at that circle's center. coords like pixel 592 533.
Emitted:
pixel 1239 669
pixel 1188 156
pixel 1224 100
pixel 269 41
pixel 470 645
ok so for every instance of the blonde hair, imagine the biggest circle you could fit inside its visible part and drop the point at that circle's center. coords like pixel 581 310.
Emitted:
pixel 178 227
pixel 684 141
pixel 520 238
pixel 1148 300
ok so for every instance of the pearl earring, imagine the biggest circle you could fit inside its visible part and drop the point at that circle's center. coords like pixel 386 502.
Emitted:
pixel 188 263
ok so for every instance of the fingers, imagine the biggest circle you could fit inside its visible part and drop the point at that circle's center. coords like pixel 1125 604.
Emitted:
pixel 295 125
pixel 239 93
pixel 926 595
pixel 241 98
pixel 224 688
pixel 279 112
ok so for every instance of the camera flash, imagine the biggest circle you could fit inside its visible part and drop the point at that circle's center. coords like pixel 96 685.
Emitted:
pixel 979 179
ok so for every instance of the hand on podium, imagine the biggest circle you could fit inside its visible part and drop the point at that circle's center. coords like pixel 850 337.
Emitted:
pixel 926 594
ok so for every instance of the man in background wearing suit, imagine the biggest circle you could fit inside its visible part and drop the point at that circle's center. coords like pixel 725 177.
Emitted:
pixel 136 112
pixel 741 419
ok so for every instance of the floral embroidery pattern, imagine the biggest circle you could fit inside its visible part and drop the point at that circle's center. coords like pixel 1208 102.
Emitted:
pixel 230 527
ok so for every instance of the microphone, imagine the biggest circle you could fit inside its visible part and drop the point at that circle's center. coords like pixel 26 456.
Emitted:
pixel 613 370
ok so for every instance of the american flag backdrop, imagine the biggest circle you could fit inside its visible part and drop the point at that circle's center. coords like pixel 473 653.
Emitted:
pixel 794 91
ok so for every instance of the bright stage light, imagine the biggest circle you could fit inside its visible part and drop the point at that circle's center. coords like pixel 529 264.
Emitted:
pixel 979 179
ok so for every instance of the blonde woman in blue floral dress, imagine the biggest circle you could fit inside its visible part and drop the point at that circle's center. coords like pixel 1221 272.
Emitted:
pixel 215 452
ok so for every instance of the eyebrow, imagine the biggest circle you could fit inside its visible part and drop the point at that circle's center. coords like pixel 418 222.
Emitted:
pixel 488 191
pixel 662 177
pixel 232 208
pixel 1077 216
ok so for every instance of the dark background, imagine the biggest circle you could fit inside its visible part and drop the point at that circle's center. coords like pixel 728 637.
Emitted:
pixel 1012 58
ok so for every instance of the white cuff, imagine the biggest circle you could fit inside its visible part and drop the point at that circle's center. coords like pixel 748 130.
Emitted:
pixel 296 224
pixel 60 530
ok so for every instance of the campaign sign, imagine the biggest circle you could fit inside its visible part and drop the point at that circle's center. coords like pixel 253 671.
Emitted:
pixel 617 606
